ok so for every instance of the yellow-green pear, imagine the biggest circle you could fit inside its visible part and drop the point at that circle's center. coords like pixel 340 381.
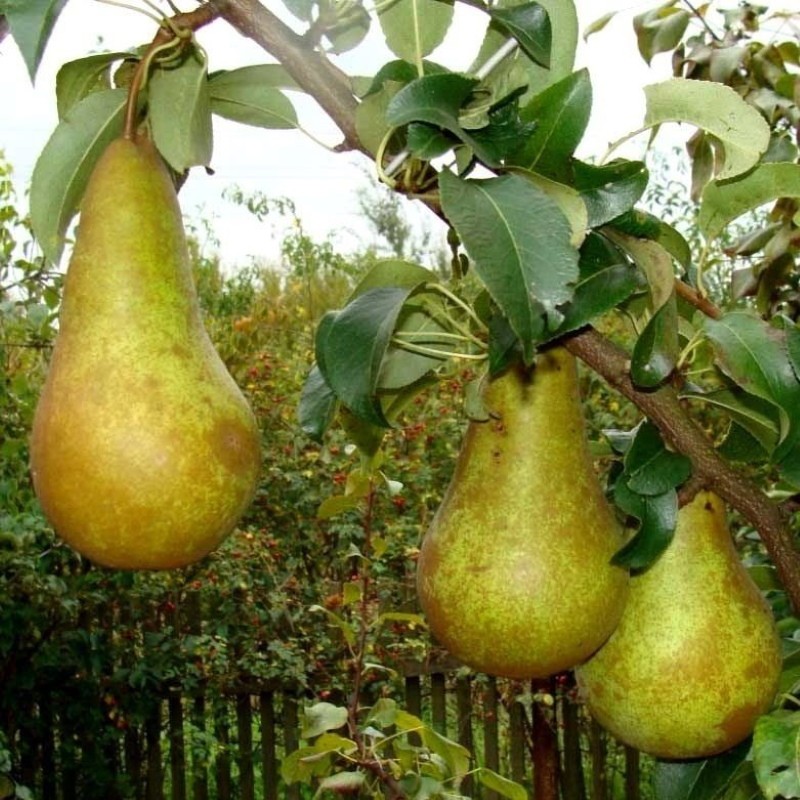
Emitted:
pixel 144 453
pixel 696 657
pixel 514 574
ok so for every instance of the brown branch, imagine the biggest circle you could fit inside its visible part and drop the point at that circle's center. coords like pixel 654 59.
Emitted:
pixel 664 409
pixel 691 295
pixel 314 73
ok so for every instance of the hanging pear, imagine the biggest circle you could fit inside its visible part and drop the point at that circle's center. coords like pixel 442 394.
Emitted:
pixel 514 574
pixel 696 657
pixel 144 453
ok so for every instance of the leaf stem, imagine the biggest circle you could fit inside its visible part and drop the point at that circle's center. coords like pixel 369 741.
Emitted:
pixel 435 353
pixel 444 291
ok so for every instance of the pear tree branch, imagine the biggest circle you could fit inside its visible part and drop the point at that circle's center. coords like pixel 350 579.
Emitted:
pixel 330 87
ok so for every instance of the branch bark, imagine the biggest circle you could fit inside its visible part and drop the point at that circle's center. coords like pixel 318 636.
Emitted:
pixel 330 87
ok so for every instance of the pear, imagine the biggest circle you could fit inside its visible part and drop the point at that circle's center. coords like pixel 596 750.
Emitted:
pixel 144 453
pixel 696 657
pixel 514 574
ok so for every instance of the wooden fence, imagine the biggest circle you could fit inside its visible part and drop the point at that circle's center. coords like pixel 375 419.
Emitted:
pixel 230 745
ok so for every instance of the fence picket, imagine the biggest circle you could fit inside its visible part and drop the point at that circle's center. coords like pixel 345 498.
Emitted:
pixel 269 761
pixel 244 730
pixel 177 747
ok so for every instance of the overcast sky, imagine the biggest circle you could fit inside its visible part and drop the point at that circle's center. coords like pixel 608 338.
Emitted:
pixel 286 163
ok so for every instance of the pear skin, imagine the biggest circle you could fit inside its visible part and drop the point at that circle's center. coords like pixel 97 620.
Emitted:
pixel 696 657
pixel 144 453
pixel 514 574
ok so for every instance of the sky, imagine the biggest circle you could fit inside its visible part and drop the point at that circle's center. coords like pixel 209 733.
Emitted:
pixel 287 163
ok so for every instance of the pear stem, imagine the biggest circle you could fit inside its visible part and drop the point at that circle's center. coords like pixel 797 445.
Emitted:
pixel 171 33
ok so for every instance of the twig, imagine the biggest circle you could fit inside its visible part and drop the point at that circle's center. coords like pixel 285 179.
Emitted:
pixel 703 20
pixel 699 301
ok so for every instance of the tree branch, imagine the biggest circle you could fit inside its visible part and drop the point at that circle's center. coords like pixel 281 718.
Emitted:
pixel 314 73
pixel 664 409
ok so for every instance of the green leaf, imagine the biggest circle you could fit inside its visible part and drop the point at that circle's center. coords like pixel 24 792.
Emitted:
pixel 606 279
pixel 651 469
pixel 418 328
pixel 437 100
pixel 793 347
pixel 78 79
pixel 660 30
pixel 529 24
pixel 758 417
pixel 273 75
pixel 427 142
pixel 754 355
pixel 66 162
pixel 500 785
pixel 303 764
pixel 345 627
pixel 393 272
pixel 317 406
pixel 655 353
pixel 598 25
pixel 658 516
pixel 776 754
pixel 723 202
pixel 244 95
pixel 349 30
pixel 643 225
pixel 402 72
pixel 371 123
pixel 454 755
pixel 31 23
pixel 322 717
pixel 700 780
pixel 654 261
pixel 179 110
pixel 341 783
pixel 351 347
pixel 717 109
pixel 561 113
pixel 415 28
pixel 740 445
pixel 518 70
pixel 610 190
pixel 520 242
pixel 337 504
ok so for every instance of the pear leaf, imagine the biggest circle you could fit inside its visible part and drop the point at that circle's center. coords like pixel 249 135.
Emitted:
pixel 610 190
pixel 657 515
pixel 179 110
pixel 341 783
pixel 414 28
pixel 793 348
pixel 31 23
pixel 660 30
pixel 66 162
pixel 393 272
pixel 716 109
pixel 654 261
pixel 529 24
pixel 77 79
pixel 651 469
pixel 655 353
pixel 437 99
pixel 755 415
pixel 243 95
pixel 723 202
pixel 351 345
pixel 754 355
pixel 776 744
pixel 322 717
pixel 702 780
pixel 519 240
pixel 317 407
pixel 500 785
pixel 606 279
pixel 639 224
pixel 561 113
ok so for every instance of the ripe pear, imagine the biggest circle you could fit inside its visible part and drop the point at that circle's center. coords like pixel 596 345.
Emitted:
pixel 514 574
pixel 696 657
pixel 144 453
